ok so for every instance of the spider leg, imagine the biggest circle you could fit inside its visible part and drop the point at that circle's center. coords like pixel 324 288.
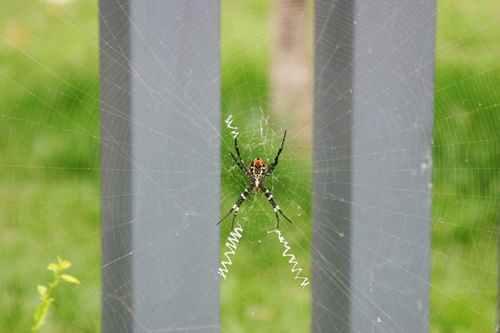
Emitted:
pixel 240 160
pixel 236 206
pixel 276 159
pixel 241 166
pixel 277 208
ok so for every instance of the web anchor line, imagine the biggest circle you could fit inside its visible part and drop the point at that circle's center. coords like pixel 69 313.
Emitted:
pixel 232 244
pixel 295 268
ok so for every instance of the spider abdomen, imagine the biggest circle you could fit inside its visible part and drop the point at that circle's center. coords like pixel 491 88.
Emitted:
pixel 256 186
pixel 258 169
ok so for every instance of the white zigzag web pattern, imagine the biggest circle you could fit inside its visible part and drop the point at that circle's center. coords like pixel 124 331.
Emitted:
pixel 229 122
pixel 295 269
pixel 232 244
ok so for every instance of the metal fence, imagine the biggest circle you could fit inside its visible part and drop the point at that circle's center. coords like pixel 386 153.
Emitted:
pixel 363 288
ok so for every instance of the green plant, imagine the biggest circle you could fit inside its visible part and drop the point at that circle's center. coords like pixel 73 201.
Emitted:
pixel 46 292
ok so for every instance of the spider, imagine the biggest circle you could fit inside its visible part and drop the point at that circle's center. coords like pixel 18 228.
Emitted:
pixel 257 171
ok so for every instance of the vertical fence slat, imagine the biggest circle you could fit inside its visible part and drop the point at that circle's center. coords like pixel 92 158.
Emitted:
pixel 160 95
pixel 374 63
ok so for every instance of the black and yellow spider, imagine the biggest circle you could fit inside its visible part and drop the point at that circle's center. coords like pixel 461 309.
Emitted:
pixel 257 171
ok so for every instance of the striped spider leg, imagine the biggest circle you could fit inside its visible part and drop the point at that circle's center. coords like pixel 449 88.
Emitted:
pixel 257 171
pixel 275 161
pixel 236 206
pixel 276 208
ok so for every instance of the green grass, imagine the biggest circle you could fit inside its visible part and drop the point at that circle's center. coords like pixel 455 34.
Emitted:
pixel 466 167
pixel 49 192
pixel 260 294
pixel 49 179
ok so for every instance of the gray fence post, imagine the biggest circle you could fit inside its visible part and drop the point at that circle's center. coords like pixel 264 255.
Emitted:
pixel 160 139
pixel 374 64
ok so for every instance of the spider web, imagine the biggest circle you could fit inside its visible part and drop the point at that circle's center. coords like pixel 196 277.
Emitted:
pixel 49 170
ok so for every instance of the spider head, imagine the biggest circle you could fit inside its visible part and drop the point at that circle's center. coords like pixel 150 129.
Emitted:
pixel 258 169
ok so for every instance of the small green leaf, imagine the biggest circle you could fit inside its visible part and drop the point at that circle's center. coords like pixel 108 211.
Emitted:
pixel 53 267
pixel 45 291
pixel 41 289
pixel 63 264
pixel 70 278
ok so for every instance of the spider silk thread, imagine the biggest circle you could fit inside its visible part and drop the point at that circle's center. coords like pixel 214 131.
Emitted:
pixel 295 268
pixel 229 122
pixel 232 244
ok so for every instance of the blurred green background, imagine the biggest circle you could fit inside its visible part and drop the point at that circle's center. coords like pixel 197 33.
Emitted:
pixel 49 168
